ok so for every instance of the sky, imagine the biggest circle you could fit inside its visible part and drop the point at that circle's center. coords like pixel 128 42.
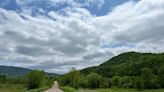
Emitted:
pixel 56 35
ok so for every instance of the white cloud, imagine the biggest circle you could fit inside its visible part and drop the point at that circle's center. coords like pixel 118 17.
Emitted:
pixel 99 3
pixel 76 38
pixel 129 24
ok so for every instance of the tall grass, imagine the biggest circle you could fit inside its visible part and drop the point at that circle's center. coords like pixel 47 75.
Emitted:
pixel 68 89
pixel 18 88
pixel 12 88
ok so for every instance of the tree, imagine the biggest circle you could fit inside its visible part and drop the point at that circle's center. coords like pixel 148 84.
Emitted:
pixel 154 82
pixel 126 82
pixel 36 79
pixel 147 74
pixel 3 78
pixel 94 80
pixel 75 77
pixel 71 79
pixel 106 83
pixel 139 83
pixel 83 83
pixel 161 75
pixel 115 80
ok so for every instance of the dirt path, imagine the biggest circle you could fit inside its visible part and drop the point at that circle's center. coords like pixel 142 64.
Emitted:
pixel 54 88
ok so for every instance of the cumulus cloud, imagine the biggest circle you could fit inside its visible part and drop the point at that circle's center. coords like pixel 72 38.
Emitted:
pixel 58 41
pixel 138 23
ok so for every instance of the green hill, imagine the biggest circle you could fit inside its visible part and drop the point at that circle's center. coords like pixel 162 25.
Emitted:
pixel 127 70
pixel 17 71
pixel 128 64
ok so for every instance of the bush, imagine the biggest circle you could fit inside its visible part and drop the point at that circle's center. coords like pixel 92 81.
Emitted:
pixel 36 79
pixel 83 82
pixel 94 80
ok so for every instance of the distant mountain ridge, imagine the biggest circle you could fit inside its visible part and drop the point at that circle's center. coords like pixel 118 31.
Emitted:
pixel 12 71
pixel 128 64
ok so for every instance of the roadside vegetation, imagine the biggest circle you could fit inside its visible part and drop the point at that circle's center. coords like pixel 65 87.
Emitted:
pixel 69 89
pixel 120 90
pixel 35 81
pixel 147 80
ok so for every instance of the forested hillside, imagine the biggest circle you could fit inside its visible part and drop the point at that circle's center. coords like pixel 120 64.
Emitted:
pixel 127 70
pixel 128 64
pixel 17 71
pixel 13 71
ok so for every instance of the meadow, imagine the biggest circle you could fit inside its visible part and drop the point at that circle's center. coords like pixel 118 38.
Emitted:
pixel 120 90
pixel 18 88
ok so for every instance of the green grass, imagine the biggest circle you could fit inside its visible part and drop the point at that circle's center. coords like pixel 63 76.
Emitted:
pixel 11 88
pixel 37 90
pixel 18 88
pixel 120 90
pixel 21 88
pixel 68 89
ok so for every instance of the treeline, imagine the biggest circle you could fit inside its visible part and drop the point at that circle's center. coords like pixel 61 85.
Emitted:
pixel 128 70
pixel 128 64
pixel 147 80
pixel 33 80
pixel 76 80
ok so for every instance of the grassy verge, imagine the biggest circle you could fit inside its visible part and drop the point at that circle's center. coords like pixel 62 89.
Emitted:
pixel 18 88
pixel 68 89
pixel 21 88
pixel 120 90
pixel 12 88
pixel 37 90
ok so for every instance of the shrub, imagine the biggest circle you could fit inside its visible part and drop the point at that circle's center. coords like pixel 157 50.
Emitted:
pixel 36 79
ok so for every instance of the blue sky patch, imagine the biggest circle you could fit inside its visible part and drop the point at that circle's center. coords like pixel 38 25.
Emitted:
pixel 48 6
